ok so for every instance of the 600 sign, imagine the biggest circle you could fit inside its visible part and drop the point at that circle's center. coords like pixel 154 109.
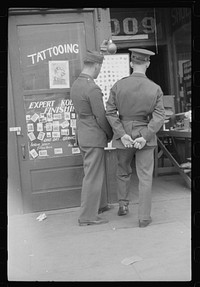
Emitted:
pixel 130 26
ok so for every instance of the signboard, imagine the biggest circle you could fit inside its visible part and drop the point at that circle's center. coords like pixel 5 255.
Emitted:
pixel 51 123
pixel 136 24
pixel 133 22
pixel 114 68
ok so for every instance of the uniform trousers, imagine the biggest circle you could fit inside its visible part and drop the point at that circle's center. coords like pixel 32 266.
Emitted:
pixel 144 162
pixel 93 194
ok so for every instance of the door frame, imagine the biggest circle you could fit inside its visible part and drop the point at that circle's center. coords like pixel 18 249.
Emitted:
pixel 14 196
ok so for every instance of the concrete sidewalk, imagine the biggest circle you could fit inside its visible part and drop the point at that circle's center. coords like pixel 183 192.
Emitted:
pixel 57 249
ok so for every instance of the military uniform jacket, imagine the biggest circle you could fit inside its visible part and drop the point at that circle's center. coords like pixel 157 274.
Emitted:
pixel 93 128
pixel 135 107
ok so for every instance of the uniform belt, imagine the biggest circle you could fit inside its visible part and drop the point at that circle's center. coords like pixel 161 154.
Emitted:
pixel 85 116
pixel 134 118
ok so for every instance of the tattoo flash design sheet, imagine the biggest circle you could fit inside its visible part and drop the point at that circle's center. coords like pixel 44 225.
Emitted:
pixel 51 124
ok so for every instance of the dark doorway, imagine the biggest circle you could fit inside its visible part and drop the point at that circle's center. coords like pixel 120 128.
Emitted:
pixel 158 70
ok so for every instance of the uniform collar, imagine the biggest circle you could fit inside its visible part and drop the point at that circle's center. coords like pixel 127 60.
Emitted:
pixel 136 74
pixel 82 75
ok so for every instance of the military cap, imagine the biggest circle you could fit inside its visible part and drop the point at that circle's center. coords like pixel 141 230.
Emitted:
pixel 141 55
pixel 93 56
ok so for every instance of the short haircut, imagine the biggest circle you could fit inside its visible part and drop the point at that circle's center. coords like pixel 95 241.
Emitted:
pixel 138 62
pixel 89 64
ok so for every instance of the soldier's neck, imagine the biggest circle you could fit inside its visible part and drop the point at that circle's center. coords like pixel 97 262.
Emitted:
pixel 88 72
pixel 141 72
pixel 139 69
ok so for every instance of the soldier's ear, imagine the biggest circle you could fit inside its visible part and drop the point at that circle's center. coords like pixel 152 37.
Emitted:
pixel 148 64
pixel 96 66
pixel 131 65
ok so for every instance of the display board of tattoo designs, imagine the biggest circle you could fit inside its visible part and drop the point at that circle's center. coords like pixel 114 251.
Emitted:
pixel 114 68
pixel 51 124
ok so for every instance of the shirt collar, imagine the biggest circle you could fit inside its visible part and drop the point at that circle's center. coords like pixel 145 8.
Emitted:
pixel 82 75
pixel 137 74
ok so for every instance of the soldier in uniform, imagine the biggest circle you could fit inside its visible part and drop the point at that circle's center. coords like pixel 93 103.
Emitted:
pixel 93 134
pixel 136 113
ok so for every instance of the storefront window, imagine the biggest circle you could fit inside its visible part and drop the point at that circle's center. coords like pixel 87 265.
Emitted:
pixel 181 30
pixel 136 24
pixel 51 124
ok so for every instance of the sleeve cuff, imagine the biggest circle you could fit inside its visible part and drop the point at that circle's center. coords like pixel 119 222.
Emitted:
pixel 146 135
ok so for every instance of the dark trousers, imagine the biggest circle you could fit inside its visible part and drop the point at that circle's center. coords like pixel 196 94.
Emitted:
pixel 144 161
pixel 93 194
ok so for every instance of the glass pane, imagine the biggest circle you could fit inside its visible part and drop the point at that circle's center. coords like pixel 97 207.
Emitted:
pixel 41 44
pixel 51 123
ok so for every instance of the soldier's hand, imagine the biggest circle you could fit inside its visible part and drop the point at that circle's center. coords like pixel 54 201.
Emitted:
pixel 139 143
pixel 127 140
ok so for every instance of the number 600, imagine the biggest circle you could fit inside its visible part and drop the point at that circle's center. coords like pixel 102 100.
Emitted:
pixel 130 26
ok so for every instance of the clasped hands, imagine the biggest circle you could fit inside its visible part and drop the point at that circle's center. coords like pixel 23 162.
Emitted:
pixel 137 143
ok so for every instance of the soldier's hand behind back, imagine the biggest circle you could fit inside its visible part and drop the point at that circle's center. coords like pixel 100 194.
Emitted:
pixel 127 140
pixel 139 143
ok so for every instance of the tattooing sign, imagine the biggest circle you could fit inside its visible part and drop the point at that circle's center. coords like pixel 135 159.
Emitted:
pixel 51 125
pixel 51 56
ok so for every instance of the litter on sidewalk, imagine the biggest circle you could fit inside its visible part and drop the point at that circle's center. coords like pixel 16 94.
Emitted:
pixel 131 260
pixel 41 217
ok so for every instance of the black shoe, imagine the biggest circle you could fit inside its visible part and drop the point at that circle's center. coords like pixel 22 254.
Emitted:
pixel 123 210
pixel 144 223
pixel 97 221
pixel 105 208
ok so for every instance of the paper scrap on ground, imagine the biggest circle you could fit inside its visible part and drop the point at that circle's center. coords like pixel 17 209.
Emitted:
pixel 41 217
pixel 131 260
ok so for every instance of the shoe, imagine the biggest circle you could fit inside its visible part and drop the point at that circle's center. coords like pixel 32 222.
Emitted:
pixel 105 208
pixel 144 223
pixel 123 210
pixel 94 222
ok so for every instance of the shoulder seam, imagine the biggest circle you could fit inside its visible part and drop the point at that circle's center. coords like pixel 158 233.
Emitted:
pixel 124 78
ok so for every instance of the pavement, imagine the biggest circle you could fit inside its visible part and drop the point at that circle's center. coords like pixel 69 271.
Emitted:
pixel 57 249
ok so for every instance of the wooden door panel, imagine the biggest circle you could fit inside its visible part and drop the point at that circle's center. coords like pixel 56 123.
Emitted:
pixel 57 199
pixel 61 177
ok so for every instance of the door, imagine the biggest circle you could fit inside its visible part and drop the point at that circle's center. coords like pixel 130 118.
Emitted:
pixel 46 53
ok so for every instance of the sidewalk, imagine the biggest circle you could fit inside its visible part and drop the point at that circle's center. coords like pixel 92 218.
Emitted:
pixel 57 249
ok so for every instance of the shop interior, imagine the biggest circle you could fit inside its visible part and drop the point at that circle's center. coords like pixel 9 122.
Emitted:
pixel 182 43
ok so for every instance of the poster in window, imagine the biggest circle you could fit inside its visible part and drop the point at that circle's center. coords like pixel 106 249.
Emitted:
pixel 50 122
pixel 59 74
pixel 187 83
